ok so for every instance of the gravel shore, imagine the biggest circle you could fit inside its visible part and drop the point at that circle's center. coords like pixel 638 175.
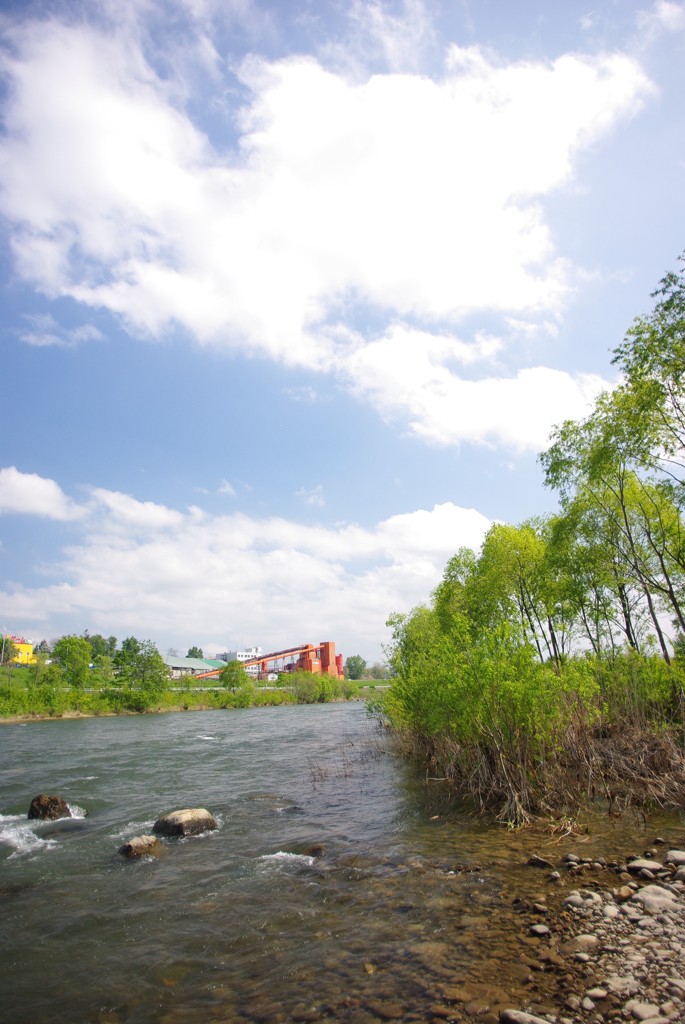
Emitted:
pixel 616 943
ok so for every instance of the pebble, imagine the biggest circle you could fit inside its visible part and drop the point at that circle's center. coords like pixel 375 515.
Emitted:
pixel 629 948
pixel 642 864
pixel 519 1017
pixel 642 1011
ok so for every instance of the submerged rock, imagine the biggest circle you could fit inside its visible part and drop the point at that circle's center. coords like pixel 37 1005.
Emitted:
pixel 49 808
pixel 141 846
pixel 187 822
pixel 535 861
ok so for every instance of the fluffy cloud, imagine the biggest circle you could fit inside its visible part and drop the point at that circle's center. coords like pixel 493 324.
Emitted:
pixel 408 374
pixel 142 568
pixel 394 194
pixel 30 494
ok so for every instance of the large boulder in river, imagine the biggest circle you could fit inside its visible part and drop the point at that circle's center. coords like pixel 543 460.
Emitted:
pixel 189 822
pixel 141 846
pixel 49 807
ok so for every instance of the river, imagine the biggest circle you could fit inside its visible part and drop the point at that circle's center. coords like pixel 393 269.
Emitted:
pixel 406 914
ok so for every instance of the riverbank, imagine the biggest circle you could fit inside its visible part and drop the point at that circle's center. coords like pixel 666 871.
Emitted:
pixel 605 941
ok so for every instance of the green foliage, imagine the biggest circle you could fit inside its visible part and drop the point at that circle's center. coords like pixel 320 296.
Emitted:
pixel 8 650
pixel 140 674
pixel 194 652
pixel 355 667
pixel 319 689
pixel 234 677
pixel 73 654
pixel 99 646
pixel 556 633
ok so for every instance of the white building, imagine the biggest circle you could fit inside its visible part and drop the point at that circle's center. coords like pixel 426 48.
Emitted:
pixel 249 654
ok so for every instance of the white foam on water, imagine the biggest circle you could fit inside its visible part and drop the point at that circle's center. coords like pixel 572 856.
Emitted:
pixel 282 857
pixel 76 811
pixel 207 738
pixel 17 833
pixel 134 828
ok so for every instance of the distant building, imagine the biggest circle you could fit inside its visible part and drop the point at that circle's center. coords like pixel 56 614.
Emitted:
pixel 179 667
pixel 249 654
pixel 23 650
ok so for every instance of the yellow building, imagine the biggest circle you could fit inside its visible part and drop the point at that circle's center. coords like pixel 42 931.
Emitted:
pixel 23 650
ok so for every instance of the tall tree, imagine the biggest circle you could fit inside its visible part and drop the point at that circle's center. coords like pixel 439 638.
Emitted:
pixel 8 651
pixel 140 666
pixel 652 359
pixel 73 655
pixel 355 666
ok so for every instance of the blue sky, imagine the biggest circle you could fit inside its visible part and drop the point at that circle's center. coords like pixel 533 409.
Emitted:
pixel 293 294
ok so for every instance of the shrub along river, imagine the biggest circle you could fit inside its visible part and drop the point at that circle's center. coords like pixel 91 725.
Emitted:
pixel 406 915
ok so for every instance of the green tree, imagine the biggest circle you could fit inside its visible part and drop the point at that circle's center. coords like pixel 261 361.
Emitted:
pixel 355 667
pixel 8 651
pixel 140 668
pixel 194 652
pixel 100 646
pixel 652 397
pixel 73 655
pixel 234 676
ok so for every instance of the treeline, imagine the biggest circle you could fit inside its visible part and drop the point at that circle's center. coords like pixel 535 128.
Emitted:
pixel 552 665
pixel 91 674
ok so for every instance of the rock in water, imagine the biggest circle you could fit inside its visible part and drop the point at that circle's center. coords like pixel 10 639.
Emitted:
pixel 188 822
pixel 49 807
pixel 141 846
pixel 538 862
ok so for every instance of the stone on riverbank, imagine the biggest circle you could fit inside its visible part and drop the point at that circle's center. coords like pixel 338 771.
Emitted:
pixel 643 864
pixel 654 899
pixel 519 1017
pixel 186 822
pixel 141 846
pixel 49 808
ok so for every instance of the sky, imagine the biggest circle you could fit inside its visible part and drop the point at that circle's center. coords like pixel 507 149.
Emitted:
pixel 294 293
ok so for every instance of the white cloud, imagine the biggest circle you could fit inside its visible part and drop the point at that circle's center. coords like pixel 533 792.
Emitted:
pixel 400 39
pixel 408 373
pixel 663 16
pixel 126 513
pixel 30 494
pixel 226 488
pixel 154 571
pixel 312 496
pixel 45 331
pixel 303 394
pixel 416 198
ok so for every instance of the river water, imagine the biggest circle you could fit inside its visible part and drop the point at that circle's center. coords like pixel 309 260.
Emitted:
pixel 405 916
